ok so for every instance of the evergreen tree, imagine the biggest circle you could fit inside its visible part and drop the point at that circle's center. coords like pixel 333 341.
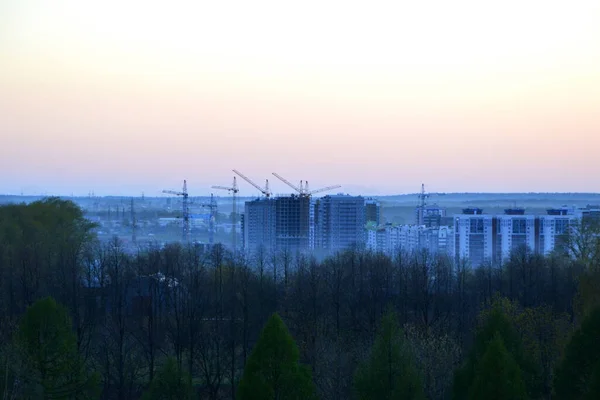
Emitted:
pixel 578 373
pixel 390 372
pixel 497 375
pixel 53 367
pixel 169 384
pixel 273 370
pixel 495 321
pixel 594 386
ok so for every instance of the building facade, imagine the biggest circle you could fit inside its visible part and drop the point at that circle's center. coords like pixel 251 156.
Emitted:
pixel 372 211
pixel 391 240
pixel 259 224
pixel 294 226
pixel 340 222
pixel 490 239
pixel 431 216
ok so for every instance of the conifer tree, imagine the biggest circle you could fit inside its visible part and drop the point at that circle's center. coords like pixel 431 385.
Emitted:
pixel 273 370
pixel 495 321
pixel 497 375
pixel 390 372
pixel 578 373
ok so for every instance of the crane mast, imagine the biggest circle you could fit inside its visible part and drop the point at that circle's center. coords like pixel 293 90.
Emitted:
pixel 233 189
pixel 212 205
pixel 185 210
pixel 133 224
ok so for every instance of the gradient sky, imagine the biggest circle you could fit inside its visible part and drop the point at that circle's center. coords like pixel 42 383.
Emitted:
pixel 120 97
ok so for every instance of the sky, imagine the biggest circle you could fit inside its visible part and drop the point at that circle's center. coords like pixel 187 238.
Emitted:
pixel 124 97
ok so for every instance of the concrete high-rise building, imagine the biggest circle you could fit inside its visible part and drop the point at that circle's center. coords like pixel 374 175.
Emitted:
pixel 410 238
pixel 372 211
pixel 554 229
pixel 259 224
pixel 514 231
pixel 340 222
pixel 481 238
pixel 430 216
pixel 473 236
pixel 293 227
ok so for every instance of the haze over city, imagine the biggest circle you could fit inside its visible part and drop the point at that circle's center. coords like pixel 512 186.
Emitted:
pixel 129 97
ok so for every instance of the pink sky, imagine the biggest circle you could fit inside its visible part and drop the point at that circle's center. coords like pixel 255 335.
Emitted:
pixel 123 98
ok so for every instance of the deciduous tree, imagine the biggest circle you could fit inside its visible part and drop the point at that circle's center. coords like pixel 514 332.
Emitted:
pixel 49 350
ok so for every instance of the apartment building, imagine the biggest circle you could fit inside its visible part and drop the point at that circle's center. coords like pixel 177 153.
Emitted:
pixel 339 222
pixel 259 224
pixel 481 238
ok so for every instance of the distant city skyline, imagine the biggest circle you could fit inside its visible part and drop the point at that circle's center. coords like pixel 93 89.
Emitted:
pixel 467 96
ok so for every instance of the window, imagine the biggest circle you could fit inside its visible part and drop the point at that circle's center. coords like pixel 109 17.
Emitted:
pixel 519 226
pixel 561 226
pixel 476 225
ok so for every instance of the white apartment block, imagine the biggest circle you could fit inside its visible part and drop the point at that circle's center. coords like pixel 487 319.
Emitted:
pixel 409 238
pixel 481 238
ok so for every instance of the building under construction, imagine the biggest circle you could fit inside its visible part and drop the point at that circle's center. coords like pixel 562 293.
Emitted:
pixel 300 223
pixel 282 223
pixel 293 223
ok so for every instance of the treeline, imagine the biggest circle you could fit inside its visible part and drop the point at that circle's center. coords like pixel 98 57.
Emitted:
pixel 187 322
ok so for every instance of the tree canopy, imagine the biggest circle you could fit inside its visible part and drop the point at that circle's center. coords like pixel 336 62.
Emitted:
pixel 497 375
pixel 53 367
pixel 390 371
pixel 578 373
pixel 273 370
pixel 495 322
pixel 170 383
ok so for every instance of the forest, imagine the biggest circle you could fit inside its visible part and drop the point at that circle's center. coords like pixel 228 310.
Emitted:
pixel 84 319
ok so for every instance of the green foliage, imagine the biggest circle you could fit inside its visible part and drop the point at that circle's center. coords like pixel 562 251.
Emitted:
pixel 170 383
pixel 273 370
pixel 40 243
pixel 390 373
pixel 497 375
pixel 578 373
pixel 498 320
pixel 52 366
pixel 594 386
pixel 588 295
pixel 544 337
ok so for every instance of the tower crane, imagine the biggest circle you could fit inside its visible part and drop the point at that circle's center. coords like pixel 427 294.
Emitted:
pixel 213 217
pixel 266 191
pixel 133 224
pixel 185 210
pixel 303 190
pixel 234 191
pixel 423 196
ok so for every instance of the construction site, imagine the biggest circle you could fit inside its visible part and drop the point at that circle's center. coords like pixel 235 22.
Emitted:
pixel 221 217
